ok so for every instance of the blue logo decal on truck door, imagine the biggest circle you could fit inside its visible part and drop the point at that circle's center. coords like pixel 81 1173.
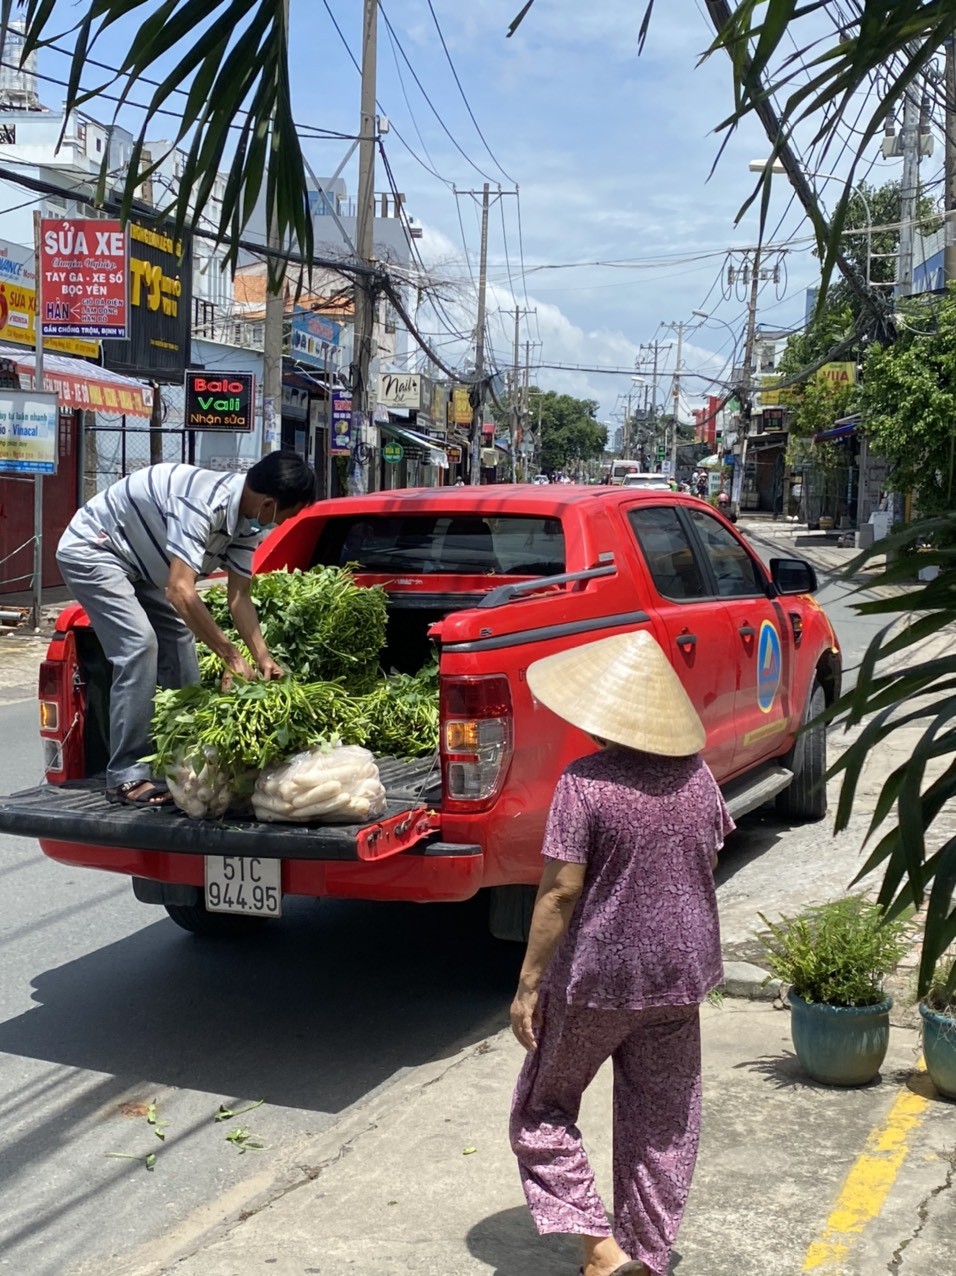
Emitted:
pixel 769 666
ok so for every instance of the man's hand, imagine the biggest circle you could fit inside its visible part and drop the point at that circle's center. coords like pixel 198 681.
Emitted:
pixel 237 666
pixel 522 1017
pixel 269 670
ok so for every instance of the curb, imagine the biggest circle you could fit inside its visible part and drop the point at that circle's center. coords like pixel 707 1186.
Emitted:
pixel 747 982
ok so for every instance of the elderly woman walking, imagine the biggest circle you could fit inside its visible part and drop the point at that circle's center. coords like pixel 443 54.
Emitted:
pixel 624 946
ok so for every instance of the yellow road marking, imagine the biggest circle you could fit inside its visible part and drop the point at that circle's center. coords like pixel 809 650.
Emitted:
pixel 868 1184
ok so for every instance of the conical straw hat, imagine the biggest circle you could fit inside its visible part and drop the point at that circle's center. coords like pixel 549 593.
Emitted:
pixel 623 690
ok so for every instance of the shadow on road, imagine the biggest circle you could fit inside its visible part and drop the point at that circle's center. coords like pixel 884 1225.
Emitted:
pixel 315 1014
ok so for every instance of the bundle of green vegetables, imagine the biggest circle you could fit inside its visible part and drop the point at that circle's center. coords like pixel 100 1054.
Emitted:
pixel 318 625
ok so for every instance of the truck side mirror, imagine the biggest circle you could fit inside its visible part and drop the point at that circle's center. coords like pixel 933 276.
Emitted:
pixel 793 576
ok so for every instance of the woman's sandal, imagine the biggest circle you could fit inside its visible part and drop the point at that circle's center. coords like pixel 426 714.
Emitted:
pixel 154 796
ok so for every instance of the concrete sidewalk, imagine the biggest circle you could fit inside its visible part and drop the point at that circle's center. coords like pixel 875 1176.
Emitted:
pixel 421 1179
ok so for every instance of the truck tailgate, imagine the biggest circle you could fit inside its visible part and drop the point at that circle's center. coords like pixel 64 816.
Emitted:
pixel 78 812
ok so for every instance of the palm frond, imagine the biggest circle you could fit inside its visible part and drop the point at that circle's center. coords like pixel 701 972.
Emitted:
pixel 236 117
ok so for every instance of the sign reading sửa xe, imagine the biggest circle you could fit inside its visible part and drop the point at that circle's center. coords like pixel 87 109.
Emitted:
pixel 84 278
pixel 222 401
pixel 393 452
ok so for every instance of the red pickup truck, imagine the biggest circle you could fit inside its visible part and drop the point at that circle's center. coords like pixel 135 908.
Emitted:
pixel 493 578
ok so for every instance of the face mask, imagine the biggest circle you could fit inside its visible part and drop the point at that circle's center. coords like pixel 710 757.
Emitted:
pixel 258 526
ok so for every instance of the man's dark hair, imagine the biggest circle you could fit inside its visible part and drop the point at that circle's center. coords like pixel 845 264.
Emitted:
pixel 284 476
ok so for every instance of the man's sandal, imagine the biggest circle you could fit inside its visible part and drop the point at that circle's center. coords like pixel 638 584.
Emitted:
pixel 155 795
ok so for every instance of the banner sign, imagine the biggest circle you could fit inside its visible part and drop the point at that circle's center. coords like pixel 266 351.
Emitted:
pixel 29 424
pixel 85 277
pixel 340 440
pixel 315 340
pixel 461 409
pixel 160 305
pixel 838 373
pixel 400 390
pixel 18 322
pixel 220 401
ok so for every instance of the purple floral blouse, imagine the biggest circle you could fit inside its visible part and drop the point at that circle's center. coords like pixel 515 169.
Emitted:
pixel 645 930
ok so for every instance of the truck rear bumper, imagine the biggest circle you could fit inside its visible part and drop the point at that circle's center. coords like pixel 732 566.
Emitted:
pixel 433 872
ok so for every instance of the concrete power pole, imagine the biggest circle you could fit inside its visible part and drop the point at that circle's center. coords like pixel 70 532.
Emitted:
pixel 474 475
pixel 949 256
pixel 515 389
pixel 365 291
pixel 909 193
pixel 680 352
pixel 272 333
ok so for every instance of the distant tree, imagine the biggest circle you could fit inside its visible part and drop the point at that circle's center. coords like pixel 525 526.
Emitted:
pixel 569 431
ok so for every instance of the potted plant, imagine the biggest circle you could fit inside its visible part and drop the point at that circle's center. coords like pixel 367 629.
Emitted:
pixel 938 1012
pixel 835 957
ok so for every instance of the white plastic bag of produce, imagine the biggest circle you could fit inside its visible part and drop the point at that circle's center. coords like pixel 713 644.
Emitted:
pixel 206 794
pixel 337 785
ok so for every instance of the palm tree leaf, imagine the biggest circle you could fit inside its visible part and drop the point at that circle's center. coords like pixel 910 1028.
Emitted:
pixel 940 926
pixel 233 64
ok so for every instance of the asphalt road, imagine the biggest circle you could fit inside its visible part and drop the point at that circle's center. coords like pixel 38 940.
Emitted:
pixel 107 1007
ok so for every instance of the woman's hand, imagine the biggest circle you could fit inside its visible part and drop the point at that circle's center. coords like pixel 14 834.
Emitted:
pixel 522 1017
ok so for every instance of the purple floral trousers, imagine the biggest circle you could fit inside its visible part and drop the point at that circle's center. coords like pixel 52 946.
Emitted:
pixel 657 1086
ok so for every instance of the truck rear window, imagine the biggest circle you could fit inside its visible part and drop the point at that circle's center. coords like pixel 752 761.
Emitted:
pixel 512 545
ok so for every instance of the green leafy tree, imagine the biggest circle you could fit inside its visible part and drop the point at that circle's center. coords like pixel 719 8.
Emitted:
pixel 569 432
pixel 908 403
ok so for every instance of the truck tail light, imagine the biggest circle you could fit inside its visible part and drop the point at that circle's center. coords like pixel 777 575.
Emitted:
pixel 54 715
pixel 477 740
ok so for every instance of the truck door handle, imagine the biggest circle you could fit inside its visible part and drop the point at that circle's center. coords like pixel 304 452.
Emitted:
pixel 687 640
pixel 746 631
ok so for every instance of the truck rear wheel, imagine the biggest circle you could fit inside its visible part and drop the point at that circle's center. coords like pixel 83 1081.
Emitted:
pixel 805 798
pixel 198 921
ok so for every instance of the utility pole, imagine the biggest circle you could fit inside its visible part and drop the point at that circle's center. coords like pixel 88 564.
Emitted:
pixel 272 332
pixel 949 252
pixel 676 408
pixel 365 289
pixel 909 192
pixel 478 396
pixel 526 403
pixel 515 384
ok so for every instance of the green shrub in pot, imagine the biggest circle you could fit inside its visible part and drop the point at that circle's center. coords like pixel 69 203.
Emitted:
pixel 938 1012
pixel 835 957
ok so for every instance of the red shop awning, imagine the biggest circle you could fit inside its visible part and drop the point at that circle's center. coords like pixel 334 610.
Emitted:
pixel 83 385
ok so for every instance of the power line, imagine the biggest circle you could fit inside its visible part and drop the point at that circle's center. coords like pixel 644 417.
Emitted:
pixel 454 141
pixel 441 36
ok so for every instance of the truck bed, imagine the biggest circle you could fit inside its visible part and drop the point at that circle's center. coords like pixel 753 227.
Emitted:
pixel 79 812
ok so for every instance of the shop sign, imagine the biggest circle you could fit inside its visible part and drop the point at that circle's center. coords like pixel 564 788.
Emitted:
pixel 18 321
pixel 315 340
pixel 29 424
pixel 454 455
pixel 400 390
pixel 160 304
pixel 220 401
pixel 393 453
pixel 85 278
pixel 839 373
pixel 461 409
pixel 341 439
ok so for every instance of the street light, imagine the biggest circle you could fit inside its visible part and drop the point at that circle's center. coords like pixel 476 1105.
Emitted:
pixel 760 166
pixel 702 314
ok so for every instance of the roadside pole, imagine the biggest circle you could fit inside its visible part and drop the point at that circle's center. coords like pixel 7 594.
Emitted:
pixel 909 193
pixel 477 413
pixel 676 408
pixel 37 604
pixel 365 243
pixel 272 329
pixel 949 234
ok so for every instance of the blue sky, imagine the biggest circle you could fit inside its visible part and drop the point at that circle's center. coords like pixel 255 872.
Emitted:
pixel 612 155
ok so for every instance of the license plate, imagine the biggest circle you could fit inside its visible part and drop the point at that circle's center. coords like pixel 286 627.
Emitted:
pixel 236 884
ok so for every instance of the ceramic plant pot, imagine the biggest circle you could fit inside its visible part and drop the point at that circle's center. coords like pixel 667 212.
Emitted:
pixel 840 1045
pixel 939 1049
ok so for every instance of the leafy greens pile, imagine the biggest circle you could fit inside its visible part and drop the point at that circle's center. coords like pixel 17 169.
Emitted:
pixel 318 625
pixel 328 633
